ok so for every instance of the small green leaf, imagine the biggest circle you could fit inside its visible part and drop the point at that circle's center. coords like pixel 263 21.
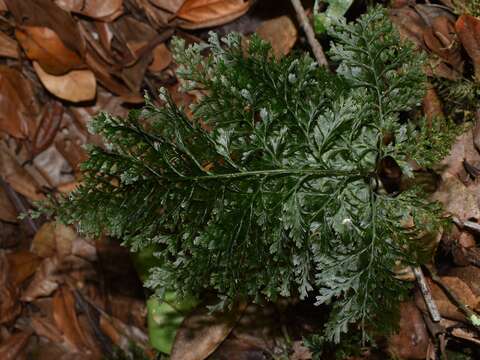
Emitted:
pixel 335 11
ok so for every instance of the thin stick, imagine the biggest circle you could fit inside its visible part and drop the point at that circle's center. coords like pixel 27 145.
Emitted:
pixel 307 28
pixel 427 295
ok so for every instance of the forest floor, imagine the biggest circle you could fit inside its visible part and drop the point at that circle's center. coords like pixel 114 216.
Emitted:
pixel 68 297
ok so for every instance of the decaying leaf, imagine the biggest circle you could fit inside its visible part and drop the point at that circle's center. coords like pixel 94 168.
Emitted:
pixel 22 265
pixel 46 13
pixel 105 10
pixel 75 86
pixel 8 46
pixel 17 103
pixel 280 32
pixel 66 319
pixel 445 306
pixel 468 29
pixel 162 57
pixel 9 306
pixel 18 178
pixel 13 348
pixel 7 210
pixel 411 341
pixel 45 280
pixel 207 13
pixel 43 45
pixel 201 333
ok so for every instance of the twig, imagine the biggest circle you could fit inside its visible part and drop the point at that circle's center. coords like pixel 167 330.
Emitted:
pixel 427 295
pixel 307 28
pixel 472 317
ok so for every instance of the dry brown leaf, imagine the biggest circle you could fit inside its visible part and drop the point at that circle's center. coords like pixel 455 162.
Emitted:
pixel 106 10
pixel 207 13
pixel 171 6
pixel 432 105
pixel 202 332
pixel 409 24
pixel 23 264
pixel 446 308
pixel 45 13
pixel 7 210
pixel 8 46
pixel 3 6
pixel 54 167
pixel 14 346
pixel 43 45
pixel 18 103
pixel 441 39
pixel 75 86
pixel 66 319
pixel 468 30
pixel 469 275
pixel 18 178
pixel 45 280
pixel 48 126
pixel 9 306
pixel 53 239
pixel 162 58
pixel 280 32
pixel 135 35
pixel 43 327
pixel 411 341
pixel 102 70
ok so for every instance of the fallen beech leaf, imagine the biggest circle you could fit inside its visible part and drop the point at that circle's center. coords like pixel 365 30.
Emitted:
pixel 53 238
pixel 45 13
pixel 8 46
pixel 45 280
pixel 13 347
pixel 75 86
pixel 162 57
pixel 7 210
pixel 135 35
pixel 9 306
pixel 468 30
pixel 106 10
pixel 202 332
pixel 18 103
pixel 411 341
pixel 280 32
pixel 208 13
pixel 43 45
pixel 66 319
pixel 23 264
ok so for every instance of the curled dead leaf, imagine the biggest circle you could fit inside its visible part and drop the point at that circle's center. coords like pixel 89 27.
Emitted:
pixel 207 13
pixel 23 264
pixel 432 105
pixel 43 45
pixel 7 210
pixel 75 86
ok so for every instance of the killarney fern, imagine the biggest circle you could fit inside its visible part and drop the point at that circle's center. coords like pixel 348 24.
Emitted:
pixel 269 184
